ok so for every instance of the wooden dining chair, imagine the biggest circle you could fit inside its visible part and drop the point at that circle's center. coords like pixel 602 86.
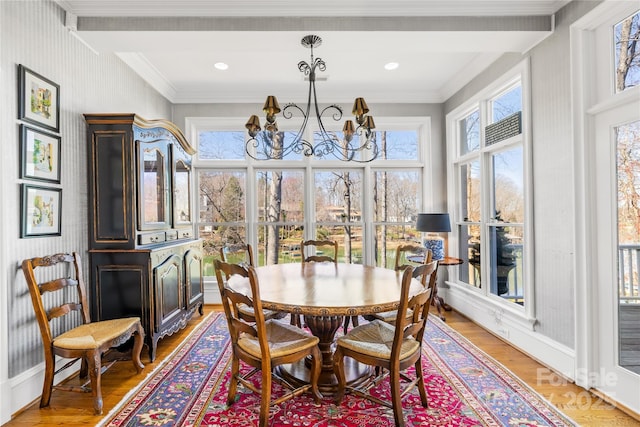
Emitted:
pixel 264 344
pixel 422 256
pixel 88 341
pixel 245 252
pixel 329 245
pixel 332 247
pixel 237 254
pixel 401 264
pixel 393 348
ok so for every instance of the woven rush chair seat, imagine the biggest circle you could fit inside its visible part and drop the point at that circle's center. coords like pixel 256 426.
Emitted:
pixel 283 339
pixel 88 341
pixel 376 339
pixel 94 335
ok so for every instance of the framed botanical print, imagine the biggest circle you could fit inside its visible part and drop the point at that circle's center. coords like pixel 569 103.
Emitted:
pixel 38 99
pixel 39 155
pixel 41 211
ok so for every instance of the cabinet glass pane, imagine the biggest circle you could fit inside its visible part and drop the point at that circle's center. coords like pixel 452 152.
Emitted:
pixel 181 186
pixel 153 179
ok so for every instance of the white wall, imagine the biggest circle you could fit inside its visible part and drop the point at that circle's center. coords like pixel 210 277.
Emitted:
pixel 552 339
pixel 32 33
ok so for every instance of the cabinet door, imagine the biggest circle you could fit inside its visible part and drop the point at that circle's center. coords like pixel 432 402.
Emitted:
pixel 181 187
pixel 193 274
pixel 153 184
pixel 168 283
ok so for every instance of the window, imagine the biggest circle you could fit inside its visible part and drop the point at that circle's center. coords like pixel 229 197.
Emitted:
pixel 276 204
pixel 488 176
pixel 627 54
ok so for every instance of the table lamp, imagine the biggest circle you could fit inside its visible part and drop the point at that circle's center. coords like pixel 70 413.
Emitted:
pixel 433 223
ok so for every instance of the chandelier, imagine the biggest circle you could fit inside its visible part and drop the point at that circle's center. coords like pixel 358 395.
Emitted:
pixel 270 143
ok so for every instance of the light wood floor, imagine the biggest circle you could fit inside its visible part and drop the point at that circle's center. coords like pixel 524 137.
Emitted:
pixel 75 409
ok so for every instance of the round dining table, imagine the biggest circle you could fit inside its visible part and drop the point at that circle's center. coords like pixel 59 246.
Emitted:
pixel 324 293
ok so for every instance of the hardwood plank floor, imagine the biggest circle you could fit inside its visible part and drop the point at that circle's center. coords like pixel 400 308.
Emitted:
pixel 75 409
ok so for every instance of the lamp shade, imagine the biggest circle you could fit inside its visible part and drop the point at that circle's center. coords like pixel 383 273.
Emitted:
pixel 433 222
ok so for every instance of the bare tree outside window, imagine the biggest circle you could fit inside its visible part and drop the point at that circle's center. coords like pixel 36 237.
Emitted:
pixel 627 52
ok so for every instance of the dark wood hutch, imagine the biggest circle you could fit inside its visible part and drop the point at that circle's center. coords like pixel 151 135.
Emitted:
pixel 144 259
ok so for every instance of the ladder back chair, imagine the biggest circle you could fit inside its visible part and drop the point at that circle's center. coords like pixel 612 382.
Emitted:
pixel 324 245
pixel 235 253
pixel 264 344
pixel 400 265
pixel 331 246
pixel 88 341
pixel 404 251
pixel 393 348
pixel 245 252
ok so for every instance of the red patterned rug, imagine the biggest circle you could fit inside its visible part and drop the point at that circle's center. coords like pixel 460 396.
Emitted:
pixel 465 387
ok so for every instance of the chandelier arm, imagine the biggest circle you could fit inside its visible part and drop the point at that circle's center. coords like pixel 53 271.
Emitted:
pixel 270 143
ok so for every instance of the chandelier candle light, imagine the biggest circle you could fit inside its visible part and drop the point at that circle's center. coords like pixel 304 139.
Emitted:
pixel 433 223
pixel 270 143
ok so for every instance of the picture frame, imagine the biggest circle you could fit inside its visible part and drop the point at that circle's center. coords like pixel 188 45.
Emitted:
pixel 39 155
pixel 41 211
pixel 38 99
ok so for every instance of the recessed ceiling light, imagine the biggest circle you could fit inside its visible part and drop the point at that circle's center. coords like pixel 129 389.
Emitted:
pixel 391 66
pixel 221 65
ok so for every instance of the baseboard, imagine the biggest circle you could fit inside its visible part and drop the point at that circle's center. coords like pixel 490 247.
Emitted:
pixel 25 389
pixel 211 293
pixel 513 328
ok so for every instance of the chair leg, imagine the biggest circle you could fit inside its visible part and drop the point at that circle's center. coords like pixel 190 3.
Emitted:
pixel 138 342
pixel 396 401
pixel 83 368
pixel 233 380
pixel 95 367
pixel 315 374
pixel 421 389
pixel 266 397
pixel 47 385
pixel 338 370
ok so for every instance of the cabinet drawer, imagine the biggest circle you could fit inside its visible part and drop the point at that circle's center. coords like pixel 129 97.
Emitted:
pixel 185 234
pixel 172 235
pixel 147 239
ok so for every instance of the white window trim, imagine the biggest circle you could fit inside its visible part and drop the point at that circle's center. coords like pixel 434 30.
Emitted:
pixel 498 308
pixel 584 107
pixel 194 125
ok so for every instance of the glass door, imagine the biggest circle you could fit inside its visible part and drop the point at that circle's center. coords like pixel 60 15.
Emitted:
pixel 618 253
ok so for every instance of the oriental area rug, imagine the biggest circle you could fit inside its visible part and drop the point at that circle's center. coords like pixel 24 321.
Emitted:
pixel 465 387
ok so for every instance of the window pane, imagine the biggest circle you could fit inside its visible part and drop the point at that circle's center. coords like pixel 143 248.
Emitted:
pixel 222 196
pixel 470 191
pixel 508 186
pixel 280 200
pixel 338 196
pixel 349 238
pixel 627 60
pixel 506 262
pixel 506 104
pixel 470 247
pixel 215 237
pixel 221 145
pixel 277 146
pixel 396 196
pixel 398 145
pixel 389 237
pixel 470 133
